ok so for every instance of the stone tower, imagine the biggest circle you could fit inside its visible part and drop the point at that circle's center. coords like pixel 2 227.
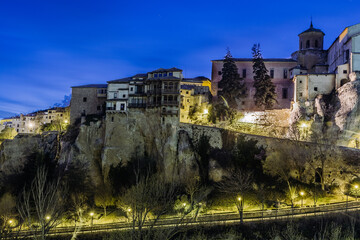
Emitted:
pixel 311 54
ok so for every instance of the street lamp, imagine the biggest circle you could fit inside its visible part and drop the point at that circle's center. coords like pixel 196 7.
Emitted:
pixel 92 218
pixel 66 121
pixel 206 111
pixel 47 217
pixel 356 190
pixel 239 199
pixel 302 197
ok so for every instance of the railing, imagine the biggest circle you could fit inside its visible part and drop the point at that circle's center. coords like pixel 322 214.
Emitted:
pixel 137 105
pixel 171 103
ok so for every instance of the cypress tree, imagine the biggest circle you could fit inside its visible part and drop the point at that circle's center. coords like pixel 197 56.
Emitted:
pixel 232 86
pixel 265 94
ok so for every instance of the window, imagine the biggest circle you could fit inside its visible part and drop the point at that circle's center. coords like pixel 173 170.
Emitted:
pixel 122 107
pixel 219 72
pixel 316 43
pixel 170 74
pixel 155 75
pixel 98 108
pixel 84 99
pixel 187 92
pixel 315 89
pixel 300 81
pixel 301 45
pixel 284 93
pixel 285 73
pixel 308 44
pixel 160 74
pixel 124 96
pixel 112 119
pixel 49 117
pixel 344 71
pixel 244 73
pixel 300 94
pixel 131 89
pixel 165 74
pixel 115 95
pixel 272 73
pixel 347 55
pixel 188 100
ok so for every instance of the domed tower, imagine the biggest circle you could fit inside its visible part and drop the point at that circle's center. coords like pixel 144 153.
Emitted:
pixel 311 55
pixel 312 38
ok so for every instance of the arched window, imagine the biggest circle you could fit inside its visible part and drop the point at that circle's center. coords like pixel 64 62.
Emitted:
pixel 316 43
pixel 308 44
pixel 300 45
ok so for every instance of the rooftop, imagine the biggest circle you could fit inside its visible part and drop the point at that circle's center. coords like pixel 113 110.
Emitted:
pixel 174 69
pixel 265 60
pixel 121 80
pixel 91 86
pixel 312 29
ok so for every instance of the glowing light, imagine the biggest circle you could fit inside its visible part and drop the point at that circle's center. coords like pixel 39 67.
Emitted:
pixel 31 125
pixel 129 210
pixel 91 214
pixel 206 111
pixel 47 217
pixel 239 199
pixel 356 186
pixel 10 221
pixel 66 121
pixel 302 193
pixel 184 204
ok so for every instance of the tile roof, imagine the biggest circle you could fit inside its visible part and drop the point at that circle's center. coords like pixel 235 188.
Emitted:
pixel 265 60
pixel 140 75
pixel 91 86
pixel 121 80
pixel 174 69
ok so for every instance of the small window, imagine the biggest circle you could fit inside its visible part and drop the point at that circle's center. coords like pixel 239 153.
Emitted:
pixel 300 81
pixel 301 45
pixel 122 107
pixel 98 108
pixel 170 74
pixel 284 93
pixel 124 95
pixel 160 74
pixel 315 89
pixel 347 55
pixel 300 94
pixel 308 44
pixel 316 43
pixel 188 100
pixel 115 95
pixel 244 73
pixel 272 73
pixel 344 71
pixel 84 99
pixel 285 73
pixel 112 119
pixel 165 74
pixel 131 89
pixel 219 72
pixel 187 92
pixel 155 75
pixel 49 117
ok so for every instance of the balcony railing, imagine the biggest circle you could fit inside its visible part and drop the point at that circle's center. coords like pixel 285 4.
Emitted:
pixel 137 105
pixel 170 103
pixel 170 91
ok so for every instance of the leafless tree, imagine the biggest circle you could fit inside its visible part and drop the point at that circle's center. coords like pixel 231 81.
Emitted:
pixel 41 205
pixel 103 197
pixel 238 184
pixel 8 223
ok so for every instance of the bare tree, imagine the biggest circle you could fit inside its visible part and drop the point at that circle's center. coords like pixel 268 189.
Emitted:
pixel 237 184
pixel 8 223
pixel 103 197
pixel 41 205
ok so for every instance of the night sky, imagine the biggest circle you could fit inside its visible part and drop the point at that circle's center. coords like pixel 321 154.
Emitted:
pixel 47 46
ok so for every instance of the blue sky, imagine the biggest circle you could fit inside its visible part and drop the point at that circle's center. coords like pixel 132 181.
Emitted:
pixel 48 46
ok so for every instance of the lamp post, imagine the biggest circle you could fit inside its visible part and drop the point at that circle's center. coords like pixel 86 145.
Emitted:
pixel 92 220
pixel 302 197
pixel 356 191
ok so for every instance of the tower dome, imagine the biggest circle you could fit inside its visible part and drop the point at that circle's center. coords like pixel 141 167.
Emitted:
pixel 311 38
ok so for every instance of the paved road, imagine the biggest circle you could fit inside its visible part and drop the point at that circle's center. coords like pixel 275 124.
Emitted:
pixel 227 218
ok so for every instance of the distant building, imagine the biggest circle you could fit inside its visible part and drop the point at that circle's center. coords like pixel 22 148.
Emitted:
pixel 87 100
pixel 310 71
pixel 325 70
pixel 279 71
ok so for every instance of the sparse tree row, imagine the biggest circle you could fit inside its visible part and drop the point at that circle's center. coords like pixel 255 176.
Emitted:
pixel 48 194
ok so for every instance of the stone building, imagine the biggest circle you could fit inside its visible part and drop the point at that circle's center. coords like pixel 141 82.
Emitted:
pixel 279 69
pixel 310 71
pixel 325 70
pixel 87 100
